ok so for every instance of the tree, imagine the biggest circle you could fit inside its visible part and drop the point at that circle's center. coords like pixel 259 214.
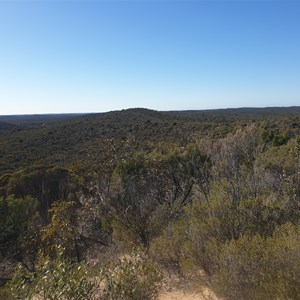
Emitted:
pixel 62 230
pixel 15 216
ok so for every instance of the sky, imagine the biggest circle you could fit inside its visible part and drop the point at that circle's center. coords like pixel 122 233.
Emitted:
pixel 97 56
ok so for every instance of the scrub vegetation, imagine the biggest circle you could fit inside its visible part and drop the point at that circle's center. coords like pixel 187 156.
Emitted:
pixel 105 206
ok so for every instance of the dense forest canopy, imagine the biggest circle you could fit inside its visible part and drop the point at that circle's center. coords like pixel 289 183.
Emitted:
pixel 216 191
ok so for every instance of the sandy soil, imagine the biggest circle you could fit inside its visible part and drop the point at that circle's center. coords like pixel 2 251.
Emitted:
pixel 195 289
pixel 182 295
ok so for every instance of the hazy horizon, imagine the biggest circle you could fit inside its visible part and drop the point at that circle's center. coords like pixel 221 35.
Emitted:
pixel 170 110
pixel 100 56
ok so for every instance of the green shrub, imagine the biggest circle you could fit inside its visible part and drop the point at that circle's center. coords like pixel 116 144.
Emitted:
pixel 167 249
pixel 5 294
pixel 131 278
pixel 52 279
pixel 189 243
pixel 279 140
pixel 261 268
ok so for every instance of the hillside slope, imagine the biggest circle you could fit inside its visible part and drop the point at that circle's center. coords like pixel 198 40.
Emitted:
pixel 65 139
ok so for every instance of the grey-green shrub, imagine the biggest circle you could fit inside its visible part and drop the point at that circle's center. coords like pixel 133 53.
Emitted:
pixel 53 279
pixel 261 268
pixel 131 278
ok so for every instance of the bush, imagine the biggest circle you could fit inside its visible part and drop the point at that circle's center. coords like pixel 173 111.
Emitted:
pixel 52 279
pixel 131 278
pixel 6 294
pixel 261 268
pixel 167 249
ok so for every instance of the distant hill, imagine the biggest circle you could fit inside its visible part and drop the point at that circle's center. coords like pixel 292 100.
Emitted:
pixel 65 139
pixel 44 118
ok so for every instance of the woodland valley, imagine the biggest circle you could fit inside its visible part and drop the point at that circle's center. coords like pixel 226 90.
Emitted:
pixel 112 205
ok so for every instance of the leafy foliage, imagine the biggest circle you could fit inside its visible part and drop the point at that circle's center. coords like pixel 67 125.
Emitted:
pixel 15 217
pixel 260 268
pixel 62 230
pixel 131 278
pixel 53 279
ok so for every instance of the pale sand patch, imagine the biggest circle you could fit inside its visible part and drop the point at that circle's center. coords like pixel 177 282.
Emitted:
pixel 189 289
pixel 206 294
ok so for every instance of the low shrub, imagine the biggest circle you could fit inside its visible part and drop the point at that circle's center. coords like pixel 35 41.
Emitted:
pixel 53 279
pixel 261 268
pixel 131 278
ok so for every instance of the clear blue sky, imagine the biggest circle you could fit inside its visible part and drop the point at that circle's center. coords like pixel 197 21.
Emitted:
pixel 94 56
